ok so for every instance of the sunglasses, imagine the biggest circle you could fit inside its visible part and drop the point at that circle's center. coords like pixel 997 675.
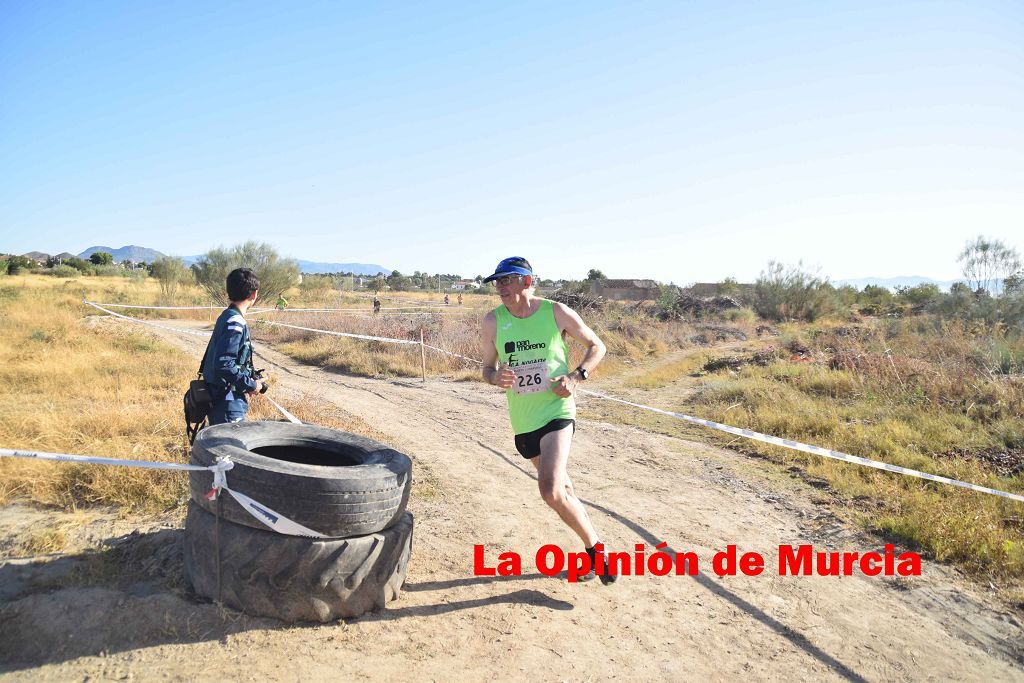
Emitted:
pixel 508 279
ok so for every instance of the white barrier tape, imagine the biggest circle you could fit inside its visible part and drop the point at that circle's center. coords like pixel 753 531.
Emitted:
pixel 452 353
pixel 274 520
pixel 264 514
pixel 93 460
pixel 147 322
pixel 815 450
pixel 158 308
pixel 343 334
pixel 291 418
pixel 746 433
pixel 343 310
pixel 271 518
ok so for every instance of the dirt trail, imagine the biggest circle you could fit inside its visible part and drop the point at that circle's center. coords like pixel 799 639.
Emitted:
pixel 473 488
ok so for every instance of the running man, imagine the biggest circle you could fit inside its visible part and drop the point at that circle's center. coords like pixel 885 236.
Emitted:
pixel 524 352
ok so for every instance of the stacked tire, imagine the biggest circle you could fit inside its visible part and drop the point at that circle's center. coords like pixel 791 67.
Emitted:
pixel 349 488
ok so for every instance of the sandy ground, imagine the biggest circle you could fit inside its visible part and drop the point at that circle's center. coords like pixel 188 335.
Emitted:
pixel 473 488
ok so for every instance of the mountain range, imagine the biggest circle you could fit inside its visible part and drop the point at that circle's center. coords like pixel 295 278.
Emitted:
pixel 894 282
pixel 128 253
pixel 136 253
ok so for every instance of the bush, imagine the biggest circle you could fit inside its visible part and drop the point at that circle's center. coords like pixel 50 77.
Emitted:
pixel 791 293
pixel 81 265
pixel 113 271
pixel 63 271
pixel 921 295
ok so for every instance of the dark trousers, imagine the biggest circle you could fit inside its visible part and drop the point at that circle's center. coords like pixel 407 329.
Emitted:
pixel 228 411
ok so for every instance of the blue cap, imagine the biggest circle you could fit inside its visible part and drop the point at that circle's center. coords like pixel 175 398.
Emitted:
pixel 513 265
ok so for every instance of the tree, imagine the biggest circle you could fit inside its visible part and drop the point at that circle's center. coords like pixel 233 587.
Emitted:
pixel 398 282
pixel 376 284
pixel 77 263
pixel 277 275
pixel 987 262
pixel 16 264
pixel 922 294
pixel 595 274
pixel 101 258
pixel 170 271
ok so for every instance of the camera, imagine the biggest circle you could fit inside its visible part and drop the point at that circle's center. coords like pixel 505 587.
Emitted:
pixel 258 375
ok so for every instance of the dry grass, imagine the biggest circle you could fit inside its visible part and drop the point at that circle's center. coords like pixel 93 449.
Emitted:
pixel 664 374
pixel 917 394
pixel 80 385
pixel 84 384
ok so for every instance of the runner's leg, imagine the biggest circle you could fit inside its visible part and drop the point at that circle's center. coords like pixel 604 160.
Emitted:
pixel 556 487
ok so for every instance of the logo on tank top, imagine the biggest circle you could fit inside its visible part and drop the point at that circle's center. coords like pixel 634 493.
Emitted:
pixel 523 345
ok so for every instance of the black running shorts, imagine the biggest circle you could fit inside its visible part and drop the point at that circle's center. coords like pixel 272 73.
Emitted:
pixel 528 444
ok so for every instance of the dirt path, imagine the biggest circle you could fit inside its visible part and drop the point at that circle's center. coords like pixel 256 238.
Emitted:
pixel 473 488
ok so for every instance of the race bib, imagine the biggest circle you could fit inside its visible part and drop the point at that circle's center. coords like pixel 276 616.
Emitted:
pixel 532 377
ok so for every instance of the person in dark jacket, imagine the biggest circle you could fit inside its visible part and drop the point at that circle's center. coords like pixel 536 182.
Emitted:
pixel 227 366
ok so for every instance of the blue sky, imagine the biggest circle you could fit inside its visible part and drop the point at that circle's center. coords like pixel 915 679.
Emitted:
pixel 680 141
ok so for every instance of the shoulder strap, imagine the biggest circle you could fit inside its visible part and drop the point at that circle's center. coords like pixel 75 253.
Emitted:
pixel 206 352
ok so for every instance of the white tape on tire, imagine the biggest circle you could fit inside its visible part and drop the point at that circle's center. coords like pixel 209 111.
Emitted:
pixel 272 519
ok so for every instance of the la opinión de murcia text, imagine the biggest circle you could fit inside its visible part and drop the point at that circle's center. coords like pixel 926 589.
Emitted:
pixel 801 560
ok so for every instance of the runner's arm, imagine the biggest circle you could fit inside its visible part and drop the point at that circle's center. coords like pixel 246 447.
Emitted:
pixel 493 373
pixel 571 322
pixel 488 351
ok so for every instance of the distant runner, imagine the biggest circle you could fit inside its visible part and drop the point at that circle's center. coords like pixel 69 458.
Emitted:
pixel 376 305
pixel 282 303
pixel 524 352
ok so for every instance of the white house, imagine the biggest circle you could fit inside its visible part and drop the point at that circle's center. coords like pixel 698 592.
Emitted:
pixel 462 285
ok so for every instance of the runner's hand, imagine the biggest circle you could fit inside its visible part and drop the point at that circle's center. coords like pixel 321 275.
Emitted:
pixel 564 385
pixel 504 377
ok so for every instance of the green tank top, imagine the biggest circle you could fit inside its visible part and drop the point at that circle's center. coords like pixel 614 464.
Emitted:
pixel 534 349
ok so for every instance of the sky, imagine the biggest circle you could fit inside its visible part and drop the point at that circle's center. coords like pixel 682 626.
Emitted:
pixel 680 141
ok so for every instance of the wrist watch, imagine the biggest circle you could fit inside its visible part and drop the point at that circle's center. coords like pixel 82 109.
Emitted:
pixel 583 373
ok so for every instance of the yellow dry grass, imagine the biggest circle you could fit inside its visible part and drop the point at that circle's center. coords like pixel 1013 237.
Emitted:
pixel 78 382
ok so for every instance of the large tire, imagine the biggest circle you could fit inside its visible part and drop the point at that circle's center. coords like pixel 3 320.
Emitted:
pixel 332 482
pixel 292 578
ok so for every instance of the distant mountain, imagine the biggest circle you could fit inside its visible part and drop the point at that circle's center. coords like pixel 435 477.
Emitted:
pixel 356 268
pixel 129 253
pixel 319 267
pixel 894 282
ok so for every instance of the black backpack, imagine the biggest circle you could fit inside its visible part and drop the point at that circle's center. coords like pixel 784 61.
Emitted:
pixel 197 401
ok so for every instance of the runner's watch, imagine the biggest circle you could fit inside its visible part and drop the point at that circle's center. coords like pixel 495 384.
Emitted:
pixel 583 373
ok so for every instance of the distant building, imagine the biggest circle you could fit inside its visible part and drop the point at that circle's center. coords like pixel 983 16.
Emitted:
pixel 626 290
pixel 462 285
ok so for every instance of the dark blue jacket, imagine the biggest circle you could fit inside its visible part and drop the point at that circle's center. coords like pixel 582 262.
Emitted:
pixel 227 367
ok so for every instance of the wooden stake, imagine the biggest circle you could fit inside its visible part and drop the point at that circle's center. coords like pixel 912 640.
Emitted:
pixel 423 357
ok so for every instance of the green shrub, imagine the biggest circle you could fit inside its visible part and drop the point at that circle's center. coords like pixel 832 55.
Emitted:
pixel 63 271
pixel 791 293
